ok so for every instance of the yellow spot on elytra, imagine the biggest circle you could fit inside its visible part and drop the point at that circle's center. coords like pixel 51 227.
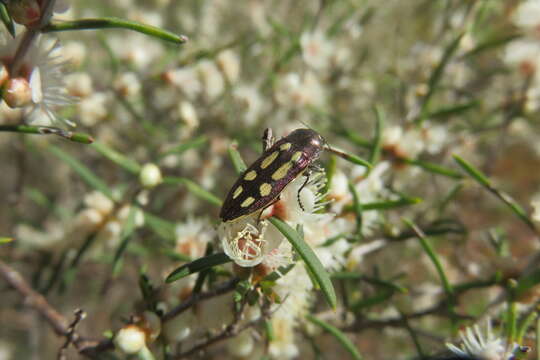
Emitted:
pixel 250 200
pixel 282 171
pixel 296 156
pixel 237 192
pixel 265 189
pixel 285 146
pixel 269 159
pixel 252 174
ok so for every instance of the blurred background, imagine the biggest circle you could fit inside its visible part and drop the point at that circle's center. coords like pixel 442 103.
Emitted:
pixel 405 85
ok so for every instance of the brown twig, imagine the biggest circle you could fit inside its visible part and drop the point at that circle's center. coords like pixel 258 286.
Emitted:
pixel 35 300
pixel 56 320
pixel 71 336
pixel 230 331
pixel 198 297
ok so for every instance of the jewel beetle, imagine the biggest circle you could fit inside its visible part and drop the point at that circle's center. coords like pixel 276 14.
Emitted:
pixel 280 163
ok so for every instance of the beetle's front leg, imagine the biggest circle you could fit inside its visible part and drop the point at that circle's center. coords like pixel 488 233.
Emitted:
pixel 267 139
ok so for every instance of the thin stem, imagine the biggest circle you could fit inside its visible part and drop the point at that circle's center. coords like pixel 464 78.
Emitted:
pixel 197 297
pixel 30 35
pixel 48 130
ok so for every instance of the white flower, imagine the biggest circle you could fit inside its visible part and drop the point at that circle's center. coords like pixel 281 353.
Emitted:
pixel 211 78
pixel 6 350
pixel 250 102
pixel 527 15
pixel 532 101
pixel 88 219
pixel 283 345
pixel 402 143
pixel 135 49
pixel 535 203
pixel 180 327
pixel 79 84
pixel 93 108
pixel 523 54
pixel 244 241
pixel 98 201
pixel 316 49
pixel 127 84
pixel 123 215
pixel 229 63
pixel 188 114
pixel 186 80
pixel 435 137
pixel 30 237
pixel 242 345
pixel 192 237
pixel 484 346
pixel 44 70
pixel 295 290
pixel 292 90
pixel 74 52
pixel 145 16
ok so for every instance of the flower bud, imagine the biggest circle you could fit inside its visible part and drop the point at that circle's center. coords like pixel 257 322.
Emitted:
pixel 130 339
pixel 150 175
pixel 17 93
pixel 24 12
pixel 188 114
pixel 4 74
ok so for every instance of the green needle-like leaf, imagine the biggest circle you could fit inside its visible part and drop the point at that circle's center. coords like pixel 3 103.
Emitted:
pixel 351 158
pixel 435 168
pixel 7 20
pixel 118 158
pixel 312 262
pixel 453 110
pixel 340 336
pixel 505 198
pixel 377 139
pixel 115 23
pixel 236 158
pixel 391 204
pixel 436 76
pixel 433 256
pixel 357 208
pixel 5 240
pixel 472 171
pixel 163 228
pixel 194 188
pixel 192 144
pixel 85 173
pixel 198 265
pixel 125 237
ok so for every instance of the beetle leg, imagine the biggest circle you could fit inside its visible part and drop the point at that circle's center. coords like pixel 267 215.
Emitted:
pixel 267 139
pixel 308 172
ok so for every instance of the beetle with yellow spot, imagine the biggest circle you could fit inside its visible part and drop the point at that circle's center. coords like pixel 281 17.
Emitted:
pixel 281 162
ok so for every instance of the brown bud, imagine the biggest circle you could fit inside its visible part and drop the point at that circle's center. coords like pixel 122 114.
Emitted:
pixel 17 93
